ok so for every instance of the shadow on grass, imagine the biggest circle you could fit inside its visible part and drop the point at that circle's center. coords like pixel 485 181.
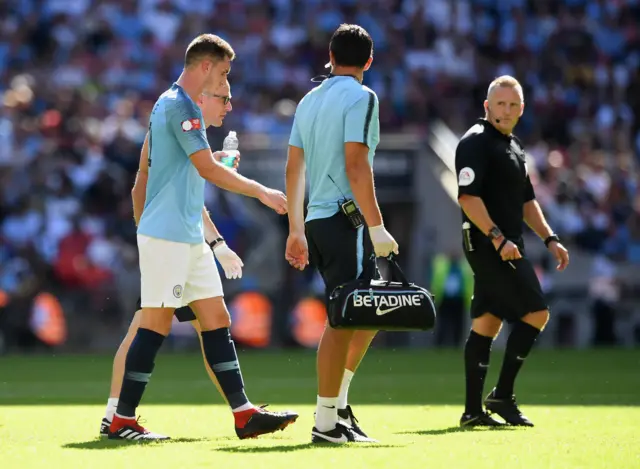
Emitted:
pixel 300 447
pixel 104 443
pixel 457 429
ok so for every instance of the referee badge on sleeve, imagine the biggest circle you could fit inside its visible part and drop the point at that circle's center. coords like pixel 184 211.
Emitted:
pixel 190 124
pixel 466 176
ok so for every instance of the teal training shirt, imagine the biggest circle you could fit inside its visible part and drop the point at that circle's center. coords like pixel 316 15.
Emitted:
pixel 338 111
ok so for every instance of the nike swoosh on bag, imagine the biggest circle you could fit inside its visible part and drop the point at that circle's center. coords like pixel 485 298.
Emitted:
pixel 382 312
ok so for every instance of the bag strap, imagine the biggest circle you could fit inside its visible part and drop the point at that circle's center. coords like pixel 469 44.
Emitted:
pixel 396 272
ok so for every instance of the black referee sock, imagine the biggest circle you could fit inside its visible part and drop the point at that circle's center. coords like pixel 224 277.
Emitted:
pixel 223 360
pixel 519 344
pixel 137 370
pixel 476 363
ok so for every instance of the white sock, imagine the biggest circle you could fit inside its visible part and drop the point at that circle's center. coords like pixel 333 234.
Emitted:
pixel 344 389
pixel 326 413
pixel 243 407
pixel 112 405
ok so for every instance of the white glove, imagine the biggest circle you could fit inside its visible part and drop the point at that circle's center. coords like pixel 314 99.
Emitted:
pixel 229 260
pixel 383 242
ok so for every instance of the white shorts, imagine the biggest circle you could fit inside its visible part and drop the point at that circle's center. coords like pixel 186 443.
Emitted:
pixel 174 274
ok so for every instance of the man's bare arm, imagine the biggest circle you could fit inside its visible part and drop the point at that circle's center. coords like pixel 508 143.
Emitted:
pixel 360 175
pixel 139 191
pixel 534 217
pixel 223 177
pixel 210 231
pixel 477 212
pixel 295 183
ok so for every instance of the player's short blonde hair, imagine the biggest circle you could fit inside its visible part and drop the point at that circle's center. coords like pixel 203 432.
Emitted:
pixel 506 81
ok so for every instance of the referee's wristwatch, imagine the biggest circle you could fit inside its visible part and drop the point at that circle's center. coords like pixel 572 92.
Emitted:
pixel 215 242
pixel 550 239
pixel 494 233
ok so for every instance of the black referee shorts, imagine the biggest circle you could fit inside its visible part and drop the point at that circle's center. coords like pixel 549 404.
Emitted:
pixel 184 314
pixel 339 252
pixel 504 291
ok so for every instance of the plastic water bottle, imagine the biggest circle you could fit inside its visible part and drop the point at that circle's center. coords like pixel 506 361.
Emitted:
pixel 230 147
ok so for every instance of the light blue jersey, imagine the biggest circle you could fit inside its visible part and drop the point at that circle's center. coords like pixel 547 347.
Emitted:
pixel 175 189
pixel 338 111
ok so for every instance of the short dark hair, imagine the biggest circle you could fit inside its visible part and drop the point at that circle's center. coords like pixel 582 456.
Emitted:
pixel 351 45
pixel 208 46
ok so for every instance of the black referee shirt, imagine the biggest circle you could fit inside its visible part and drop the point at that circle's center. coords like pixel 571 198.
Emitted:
pixel 492 166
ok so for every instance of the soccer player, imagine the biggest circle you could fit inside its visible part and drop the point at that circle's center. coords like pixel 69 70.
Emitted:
pixel 214 108
pixel 177 267
pixel 496 196
pixel 335 133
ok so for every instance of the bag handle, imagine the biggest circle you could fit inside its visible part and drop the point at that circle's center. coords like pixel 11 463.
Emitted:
pixel 396 272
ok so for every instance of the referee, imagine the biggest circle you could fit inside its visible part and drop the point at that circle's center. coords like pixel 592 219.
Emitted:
pixel 334 136
pixel 496 196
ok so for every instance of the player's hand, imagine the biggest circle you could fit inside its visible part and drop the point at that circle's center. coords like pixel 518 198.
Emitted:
pixel 218 155
pixel 560 253
pixel 274 199
pixel 510 251
pixel 229 260
pixel 297 251
pixel 383 242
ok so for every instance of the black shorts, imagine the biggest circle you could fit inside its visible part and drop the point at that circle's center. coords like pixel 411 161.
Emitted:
pixel 184 314
pixel 506 292
pixel 339 252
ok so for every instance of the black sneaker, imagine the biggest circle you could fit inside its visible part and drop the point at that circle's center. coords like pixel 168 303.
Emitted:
pixel 262 421
pixel 339 435
pixel 481 419
pixel 346 416
pixel 130 429
pixel 104 427
pixel 507 408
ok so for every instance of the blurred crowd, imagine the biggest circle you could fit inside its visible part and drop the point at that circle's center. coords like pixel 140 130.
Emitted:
pixel 78 79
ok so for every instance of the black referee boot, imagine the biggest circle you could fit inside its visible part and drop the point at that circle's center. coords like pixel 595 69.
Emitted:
pixel 507 408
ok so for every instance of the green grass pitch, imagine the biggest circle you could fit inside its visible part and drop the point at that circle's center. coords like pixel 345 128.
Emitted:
pixel 584 405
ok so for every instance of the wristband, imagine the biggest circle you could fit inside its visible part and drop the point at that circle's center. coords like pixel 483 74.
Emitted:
pixel 504 241
pixel 551 238
pixel 215 242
